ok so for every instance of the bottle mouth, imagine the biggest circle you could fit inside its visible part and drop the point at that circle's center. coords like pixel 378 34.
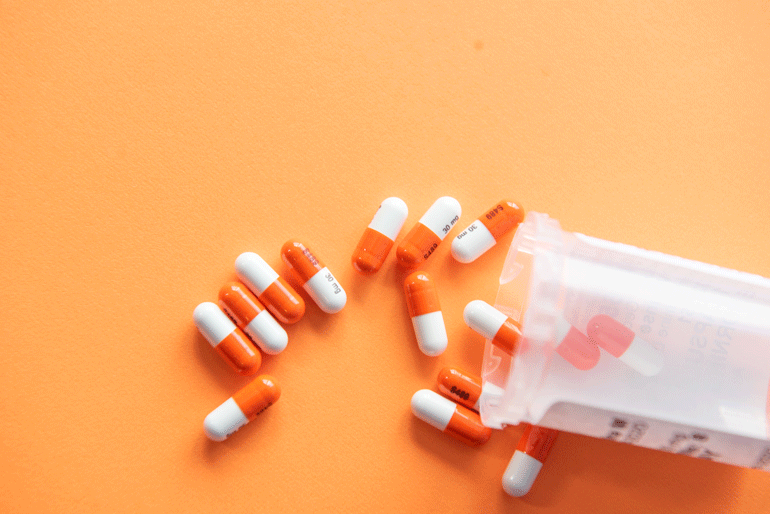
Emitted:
pixel 529 293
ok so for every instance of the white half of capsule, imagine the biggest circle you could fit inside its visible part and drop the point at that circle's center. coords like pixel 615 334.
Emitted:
pixel 433 408
pixel 224 420
pixel 488 390
pixel 442 216
pixel 212 322
pixel 431 333
pixel 472 242
pixel 265 331
pixel 326 291
pixel 643 357
pixel 520 474
pixel 483 318
pixel 254 272
pixel 390 217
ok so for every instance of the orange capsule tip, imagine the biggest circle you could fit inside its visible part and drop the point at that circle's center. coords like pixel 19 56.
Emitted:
pixel 299 258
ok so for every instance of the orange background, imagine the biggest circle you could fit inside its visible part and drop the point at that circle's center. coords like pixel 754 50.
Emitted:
pixel 143 147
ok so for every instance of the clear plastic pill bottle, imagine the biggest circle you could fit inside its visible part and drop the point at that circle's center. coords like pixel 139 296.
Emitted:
pixel 684 362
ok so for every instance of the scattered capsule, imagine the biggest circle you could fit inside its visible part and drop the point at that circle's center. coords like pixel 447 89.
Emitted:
pixel 241 408
pixel 426 235
pixel 227 339
pixel 252 317
pixel 316 278
pixel 379 236
pixel 425 311
pixel 533 448
pixel 622 343
pixel 464 388
pixel 484 233
pixel 272 290
pixel 461 423
pixel 503 331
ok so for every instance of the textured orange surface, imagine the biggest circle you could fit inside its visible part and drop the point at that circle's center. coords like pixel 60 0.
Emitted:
pixel 143 146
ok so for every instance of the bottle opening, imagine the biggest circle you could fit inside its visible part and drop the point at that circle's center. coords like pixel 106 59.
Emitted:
pixel 529 293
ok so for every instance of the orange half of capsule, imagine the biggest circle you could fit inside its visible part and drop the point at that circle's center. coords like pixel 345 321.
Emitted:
pixel 466 426
pixel 421 294
pixel 284 302
pixel 257 396
pixel 238 350
pixel 508 336
pixel 299 258
pixel 459 386
pixel 502 218
pixel 238 302
pixel 372 249
pixel 417 246
pixel 537 441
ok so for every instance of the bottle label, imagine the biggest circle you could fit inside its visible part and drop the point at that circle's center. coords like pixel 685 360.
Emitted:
pixel 659 435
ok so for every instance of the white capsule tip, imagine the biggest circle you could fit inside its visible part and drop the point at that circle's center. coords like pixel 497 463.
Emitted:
pixel 397 205
pixel 430 331
pixel 450 203
pixel 520 474
pixel 483 318
pixel 265 331
pixel 332 304
pixel 326 291
pixel 224 420
pixel 474 311
pixel 462 252
pixel 212 322
pixel 432 408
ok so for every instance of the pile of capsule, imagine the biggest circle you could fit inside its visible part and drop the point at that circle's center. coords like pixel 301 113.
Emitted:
pixel 244 323
pixel 456 412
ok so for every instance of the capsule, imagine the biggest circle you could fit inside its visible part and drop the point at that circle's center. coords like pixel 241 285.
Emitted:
pixel 464 388
pixel 252 317
pixel 241 408
pixel 484 233
pixel 316 278
pixel 533 448
pixel 461 423
pixel 426 235
pixel 425 311
pixel 505 333
pixel 575 347
pixel 378 238
pixel 622 343
pixel 272 290
pixel 227 339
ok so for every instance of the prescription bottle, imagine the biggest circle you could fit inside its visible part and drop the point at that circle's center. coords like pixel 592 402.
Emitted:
pixel 705 329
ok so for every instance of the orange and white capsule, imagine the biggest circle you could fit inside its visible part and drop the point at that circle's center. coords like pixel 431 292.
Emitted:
pixel 459 422
pixel 241 408
pixel 379 236
pixel 271 289
pixel 227 339
pixel 533 448
pixel 428 233
pixel 425 311
pixel 316 278
pixel 622 343
pixel 252 317
pixel 484 233
pixel 504 332
pixel 464 388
